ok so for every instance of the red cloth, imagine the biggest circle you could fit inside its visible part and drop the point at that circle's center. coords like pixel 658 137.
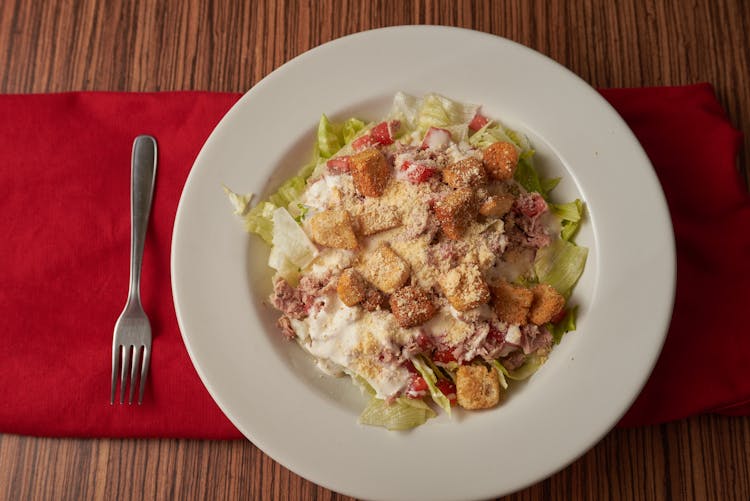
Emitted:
pixel 64 200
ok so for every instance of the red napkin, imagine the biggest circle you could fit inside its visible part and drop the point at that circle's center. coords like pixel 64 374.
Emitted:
pixel 64 200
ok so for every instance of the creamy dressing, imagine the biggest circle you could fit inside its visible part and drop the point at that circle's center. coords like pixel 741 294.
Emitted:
pixel 334 336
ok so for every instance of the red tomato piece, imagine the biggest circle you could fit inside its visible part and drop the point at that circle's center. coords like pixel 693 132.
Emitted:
pixel 363 142
pixel 448 389
pixel 478 122
pixel 419 173
pixel 339 165
pixel 384 132
pixel 444 355
pixel 417 387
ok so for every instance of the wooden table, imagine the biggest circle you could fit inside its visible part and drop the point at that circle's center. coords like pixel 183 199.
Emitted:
pixel 187 44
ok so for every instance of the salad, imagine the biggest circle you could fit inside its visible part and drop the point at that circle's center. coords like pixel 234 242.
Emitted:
pixel 421 256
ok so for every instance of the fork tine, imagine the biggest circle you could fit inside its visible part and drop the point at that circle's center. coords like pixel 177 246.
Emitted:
pixel 134 371
pixel 144 371
pixel 115 372
pixel 124 371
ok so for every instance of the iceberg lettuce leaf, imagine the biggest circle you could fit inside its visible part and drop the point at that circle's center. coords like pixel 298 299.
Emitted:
pixel 560 264
pixel 402 414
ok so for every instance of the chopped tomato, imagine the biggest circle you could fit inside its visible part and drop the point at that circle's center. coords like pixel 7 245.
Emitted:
pixel 424 341
pixel 418 173
pixel 557 318
pixel 478 122
pixel 448 389
pixel 338 165
pixel 436 138
pixel 384 132
pixel 410 367
pixel 417 387
pixel 444 355
pixel 495 335
pixel 364 142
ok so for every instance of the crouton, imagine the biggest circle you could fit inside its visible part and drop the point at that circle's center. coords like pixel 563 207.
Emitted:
pixel 455 212
pixel 500 160
pixel 512 303
pixel 477 387
pixel 384 269
pixel 351 287
pixel 333 228
pixel 370 172
pixel 464 287
pixel 546 305
pixel 378 219
pixel 467 172
pixel 496 205
pixel 374 299
pixel 411 306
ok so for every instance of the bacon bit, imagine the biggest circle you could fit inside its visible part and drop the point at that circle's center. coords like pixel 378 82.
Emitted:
pixel 478 122
pixel 339 165
pixel 435 138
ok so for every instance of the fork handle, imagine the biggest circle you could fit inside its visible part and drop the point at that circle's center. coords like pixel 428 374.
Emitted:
pixel 143 173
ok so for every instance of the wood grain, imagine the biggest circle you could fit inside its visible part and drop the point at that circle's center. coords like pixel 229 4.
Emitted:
pixel 49 46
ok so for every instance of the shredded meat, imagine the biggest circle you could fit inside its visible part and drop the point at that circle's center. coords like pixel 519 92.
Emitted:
pixel 535 338
pixel 288 300
pixel 285 325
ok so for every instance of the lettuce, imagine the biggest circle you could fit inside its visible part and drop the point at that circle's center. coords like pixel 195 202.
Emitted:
pixel 432 110
pixel 560 264
pixel 402 414
pixel 501 371
pixel 570 215
pixel 291 248
pixel 259 221
pixel 240 203
pixel 529 367
pixel 567 324
pixel 429 376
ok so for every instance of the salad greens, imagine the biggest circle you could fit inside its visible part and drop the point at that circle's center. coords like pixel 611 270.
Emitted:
pixel 278 221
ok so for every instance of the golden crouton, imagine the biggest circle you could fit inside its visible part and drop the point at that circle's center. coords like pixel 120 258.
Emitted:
pixel 512 303
pixel 378 219
pixel 370 172
pixel 546 305
pixel 333 228
pixel 500 160
pixel 467 172
pixel 496 205
pixel 477 387
pixel 385 269
pixel 411 306
pixel 351 287
pixel 455 212
pixel 464 287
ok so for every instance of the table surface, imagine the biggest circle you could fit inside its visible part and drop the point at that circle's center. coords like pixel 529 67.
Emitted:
pixel 49 46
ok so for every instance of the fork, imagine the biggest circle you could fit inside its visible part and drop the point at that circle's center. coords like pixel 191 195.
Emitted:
pixel 133 330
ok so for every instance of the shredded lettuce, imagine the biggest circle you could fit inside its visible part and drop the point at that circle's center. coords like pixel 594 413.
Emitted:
pixel 570 215
pixel 259 220
pixel 527 176
pixel 351 128
pixel 560 264
pixel 437 396
pixel 432 110
pixel 567 324
pixel 501 371
pixel 529 367
pixel 240 203
pixel 291 248
pixel 402 414
pixel 329 142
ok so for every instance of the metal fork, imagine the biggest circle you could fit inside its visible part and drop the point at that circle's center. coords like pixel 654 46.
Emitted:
pixel 133 330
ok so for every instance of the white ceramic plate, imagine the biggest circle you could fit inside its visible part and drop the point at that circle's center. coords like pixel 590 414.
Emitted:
pixel 308 422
